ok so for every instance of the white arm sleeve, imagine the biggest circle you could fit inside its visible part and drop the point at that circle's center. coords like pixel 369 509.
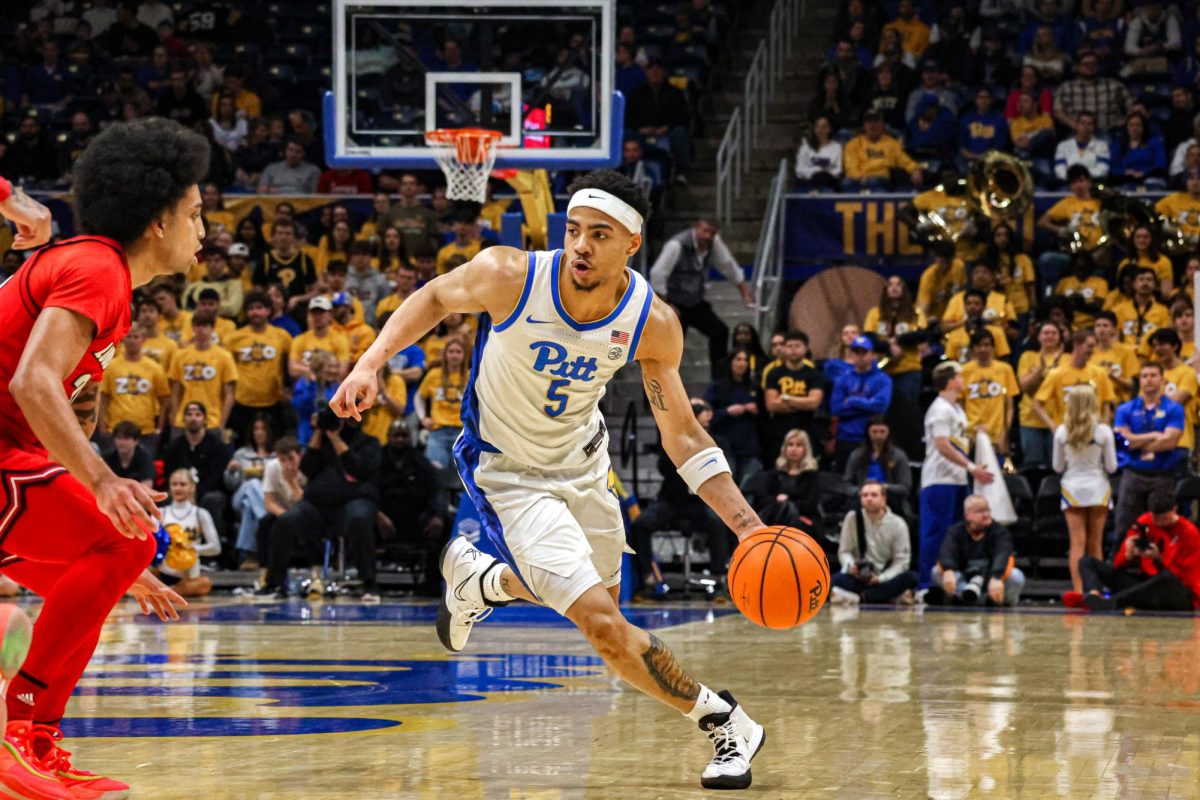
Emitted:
pixel 1108 446
pixel 212 543
pixel 1058 458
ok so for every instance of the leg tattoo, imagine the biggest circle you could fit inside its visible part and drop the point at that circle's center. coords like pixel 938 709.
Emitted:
pixel 666 671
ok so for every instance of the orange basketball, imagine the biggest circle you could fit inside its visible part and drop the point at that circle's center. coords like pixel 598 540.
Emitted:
pixel 779 577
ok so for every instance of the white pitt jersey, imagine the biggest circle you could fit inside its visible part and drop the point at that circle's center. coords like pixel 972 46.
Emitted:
pixel 538 375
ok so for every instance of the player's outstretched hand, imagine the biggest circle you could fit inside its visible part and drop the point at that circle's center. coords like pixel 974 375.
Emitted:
pixel 130 505
pixel 155 597
pixel 31 217
pixel 355 395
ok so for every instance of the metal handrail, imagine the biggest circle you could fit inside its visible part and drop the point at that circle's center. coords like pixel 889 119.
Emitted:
pixel 768 253
pixel 763 80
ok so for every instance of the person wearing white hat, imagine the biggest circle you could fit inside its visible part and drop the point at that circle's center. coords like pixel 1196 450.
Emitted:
pixel 321 336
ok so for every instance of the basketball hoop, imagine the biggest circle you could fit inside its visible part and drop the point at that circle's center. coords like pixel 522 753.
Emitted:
pixel 466 156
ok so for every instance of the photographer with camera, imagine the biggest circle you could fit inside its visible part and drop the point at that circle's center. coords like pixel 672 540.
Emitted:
pixel 1157 567
pixel 340 499
pixel 975 563
pixel 874 553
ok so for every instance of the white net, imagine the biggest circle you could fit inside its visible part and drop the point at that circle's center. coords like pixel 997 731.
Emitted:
pixel 466 156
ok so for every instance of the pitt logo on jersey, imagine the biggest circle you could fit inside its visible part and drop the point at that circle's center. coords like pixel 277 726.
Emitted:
pixel 552 359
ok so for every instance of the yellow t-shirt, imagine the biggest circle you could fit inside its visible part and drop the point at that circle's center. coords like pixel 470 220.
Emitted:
pixel 1020 126
pixel 360 335
pixel 179 331
pixel 936 287
pixel 914 35
pixel 334 341
pixel 222 329
pixel 203 375
pixel 1120 361
pixel 135 391
pixel 261 360
pixel 986 390
pixel 1082 215
pixel 377 421
pixel 388 305
pixel 1136 330
pixel 910 358
pixel 1025 416
pixel 863 158
pixel 1052 394
pixel 443 403
pixel 467 251
pixel 1092 289
pixel 1183 379
pixel 996 301
pixel 957 343
pixel 161 349
pixel 1182 210
pixel 1161 266
pixel 1020 274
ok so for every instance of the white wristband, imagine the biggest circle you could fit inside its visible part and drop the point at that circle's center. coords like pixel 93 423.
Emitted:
pixel 702 466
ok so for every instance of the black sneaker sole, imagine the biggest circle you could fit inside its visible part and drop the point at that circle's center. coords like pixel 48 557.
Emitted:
pixel 734 782
pixel 443 616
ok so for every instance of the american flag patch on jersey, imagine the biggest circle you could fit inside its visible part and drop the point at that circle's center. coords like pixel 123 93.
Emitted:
pixel 619 337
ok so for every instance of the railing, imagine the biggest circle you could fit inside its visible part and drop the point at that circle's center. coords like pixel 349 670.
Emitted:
pixel 768 253
pixel 762 82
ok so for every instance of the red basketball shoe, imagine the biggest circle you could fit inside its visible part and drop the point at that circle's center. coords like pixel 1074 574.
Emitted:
pixel 80 784
pixel 22 777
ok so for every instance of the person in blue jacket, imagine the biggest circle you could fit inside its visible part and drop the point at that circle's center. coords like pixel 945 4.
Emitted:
pixel 931 132
pixel 1140 156
pixel 858 396
pixel 981 130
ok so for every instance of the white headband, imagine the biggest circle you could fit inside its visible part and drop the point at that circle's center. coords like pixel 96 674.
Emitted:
pixel 610 204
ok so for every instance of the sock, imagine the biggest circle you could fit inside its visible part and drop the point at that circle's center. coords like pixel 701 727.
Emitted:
pixel 709 702
pixel 23 694
pixel 490 581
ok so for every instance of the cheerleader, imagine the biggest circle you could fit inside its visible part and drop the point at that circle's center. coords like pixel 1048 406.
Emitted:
pixel 193 536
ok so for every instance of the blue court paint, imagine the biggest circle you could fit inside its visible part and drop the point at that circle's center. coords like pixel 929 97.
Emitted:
pixel 155 727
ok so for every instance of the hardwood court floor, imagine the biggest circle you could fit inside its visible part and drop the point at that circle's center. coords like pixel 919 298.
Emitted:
pixel 286 701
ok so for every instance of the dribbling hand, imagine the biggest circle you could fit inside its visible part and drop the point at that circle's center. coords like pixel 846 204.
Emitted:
pixel 355 395
pixel 155 597
pixel 130 505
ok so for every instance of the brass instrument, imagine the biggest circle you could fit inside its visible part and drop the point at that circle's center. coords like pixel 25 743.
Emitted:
pixel 1173 241
pixel 1120 216
pixel 999 186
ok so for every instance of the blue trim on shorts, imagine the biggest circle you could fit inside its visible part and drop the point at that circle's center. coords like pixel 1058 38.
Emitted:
pixel 466 459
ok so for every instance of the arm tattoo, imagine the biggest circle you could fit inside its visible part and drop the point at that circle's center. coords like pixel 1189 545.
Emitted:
pixel 654 391
pixel 662 666
pixel 86 406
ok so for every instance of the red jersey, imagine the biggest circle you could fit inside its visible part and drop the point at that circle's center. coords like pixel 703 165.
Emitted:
pixel 88 275
pixel 1180 549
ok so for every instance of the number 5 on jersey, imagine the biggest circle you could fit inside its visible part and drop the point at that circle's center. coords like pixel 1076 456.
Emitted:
pixel 555 395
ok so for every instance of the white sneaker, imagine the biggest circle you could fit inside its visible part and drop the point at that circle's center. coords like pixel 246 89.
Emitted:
pixel 919 597
pixel 736 741
pixel 462 603
pixel 844 597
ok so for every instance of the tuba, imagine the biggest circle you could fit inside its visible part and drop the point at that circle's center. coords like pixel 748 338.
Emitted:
pixel 999 186
pixel 1120 216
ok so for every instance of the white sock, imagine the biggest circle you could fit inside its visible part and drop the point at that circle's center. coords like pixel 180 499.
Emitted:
pixel 492 591
pixel 709 702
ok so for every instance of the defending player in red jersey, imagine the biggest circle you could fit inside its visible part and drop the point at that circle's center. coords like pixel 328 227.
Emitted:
pixel 71 530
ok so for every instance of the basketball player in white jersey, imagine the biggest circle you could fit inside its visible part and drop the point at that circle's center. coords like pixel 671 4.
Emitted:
pixel 533 455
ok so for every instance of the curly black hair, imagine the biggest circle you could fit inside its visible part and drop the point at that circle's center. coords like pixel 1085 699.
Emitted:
pixel 615 184
pixel 134 172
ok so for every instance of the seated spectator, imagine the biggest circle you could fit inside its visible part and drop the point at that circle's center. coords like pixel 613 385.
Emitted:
pixel 659 113
pixel 646 174
pixel 412 504
pixel 1179 157
pixel 244 100
pixel 832 101
pixel 746 337
pixel 1050 400
pixel 878 460
pixel 228 125
pixel 990 388
pixel 193 536
pixel 981 130
pixel 344 181
pixel 885 97
pixel 1047 13
pixel 1104 99
pixel 941 280
pixel 873 156
pixel 914 34
pixel 933 85
pixel 1083 148
pixel 1103 31
pixel 1044 55
pixel 45 84
pixel 1029 82
pixel 975 563
pixel 155 76
pixel 285 263
pixel 789 493
pixel 292 175
pixel 819 161
pixel 677 508
pixel 1140 157
pixel 793 390
pixel 898 322
pixel 628 75
pixel 950 40
pixel 874 553
pixel 439 403
pixel 283 486
pixel 1178 126
pixel 254 155
pixel 734 397
pixel 244 477
pixel 851 69
pixel 931 133
pixel 1141 315
pixel 466 243
pixel 1118 359
pixel 75 142
pixel 1085 454
pixel 30 155
pixel 341 500
pixel 203 374
pixel 203 452
pixel 1152 42
pixel 1032 132
pixel 1156 568
pixel 992 65
pixel 1084 289
pixel 892 52
pixel 312 392
pixel 1076 215
pixel 128 459
pixel 1149 428
pixel 334 246
pixel 857 396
